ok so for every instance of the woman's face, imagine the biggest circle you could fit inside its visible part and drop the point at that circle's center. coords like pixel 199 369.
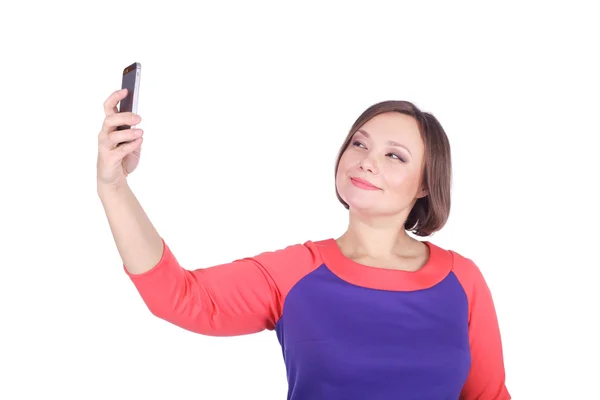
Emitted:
pixel 380 171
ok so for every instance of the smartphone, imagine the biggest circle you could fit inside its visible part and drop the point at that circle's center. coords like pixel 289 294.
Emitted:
pixel 131 81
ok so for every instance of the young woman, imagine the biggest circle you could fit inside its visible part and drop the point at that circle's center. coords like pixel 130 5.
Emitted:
pixel 373 314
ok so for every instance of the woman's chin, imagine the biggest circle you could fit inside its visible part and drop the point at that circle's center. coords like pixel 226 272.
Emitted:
pixel 363 205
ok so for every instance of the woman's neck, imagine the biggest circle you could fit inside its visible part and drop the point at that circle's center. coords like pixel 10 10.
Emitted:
pixel 379 238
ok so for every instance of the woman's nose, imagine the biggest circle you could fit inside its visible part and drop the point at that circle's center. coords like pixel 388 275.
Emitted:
pixel 368 165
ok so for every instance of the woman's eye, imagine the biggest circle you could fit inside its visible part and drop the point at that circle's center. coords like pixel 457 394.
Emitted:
pixel 396 156
pixel 356 143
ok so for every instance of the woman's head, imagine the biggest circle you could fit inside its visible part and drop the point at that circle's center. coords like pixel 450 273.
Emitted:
pixel 405 154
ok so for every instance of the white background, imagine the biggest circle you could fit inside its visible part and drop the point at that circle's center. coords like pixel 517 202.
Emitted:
pixel 244 106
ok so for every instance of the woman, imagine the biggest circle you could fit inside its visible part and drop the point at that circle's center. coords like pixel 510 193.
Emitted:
pixel 374 314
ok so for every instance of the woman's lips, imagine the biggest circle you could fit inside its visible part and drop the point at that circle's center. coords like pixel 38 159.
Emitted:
pixel 363 184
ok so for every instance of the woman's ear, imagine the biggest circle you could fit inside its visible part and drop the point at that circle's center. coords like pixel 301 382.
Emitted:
pixel 422 193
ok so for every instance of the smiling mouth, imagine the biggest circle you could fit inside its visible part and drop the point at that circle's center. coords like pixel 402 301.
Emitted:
pixel 362 184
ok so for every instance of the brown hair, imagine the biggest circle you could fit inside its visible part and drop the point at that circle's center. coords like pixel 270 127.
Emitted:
pixel 430 213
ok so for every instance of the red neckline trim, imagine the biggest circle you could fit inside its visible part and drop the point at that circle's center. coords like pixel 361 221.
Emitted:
pixel 437 267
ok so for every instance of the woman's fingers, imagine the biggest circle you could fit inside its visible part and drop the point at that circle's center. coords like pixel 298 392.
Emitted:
pixel 112 121
pixel 113 139
pixel 129 147
pixel 110 105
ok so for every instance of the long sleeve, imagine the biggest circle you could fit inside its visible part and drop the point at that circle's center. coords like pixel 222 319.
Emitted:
pixel 241 297
pixel 486 379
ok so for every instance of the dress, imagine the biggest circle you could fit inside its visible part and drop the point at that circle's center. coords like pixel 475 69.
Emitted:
pixel 347 330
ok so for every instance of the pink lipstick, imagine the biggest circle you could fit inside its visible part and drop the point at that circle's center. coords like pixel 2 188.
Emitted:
pixel 363 184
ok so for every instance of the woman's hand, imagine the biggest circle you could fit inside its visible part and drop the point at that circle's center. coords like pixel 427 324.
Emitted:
pixel 118 151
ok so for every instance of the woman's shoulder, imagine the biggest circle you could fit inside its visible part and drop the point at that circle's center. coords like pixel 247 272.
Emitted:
pixel 305 250
pixel 287 264
pixel 465 269
pixel 291 260
pixel 458 259
pixel 311 248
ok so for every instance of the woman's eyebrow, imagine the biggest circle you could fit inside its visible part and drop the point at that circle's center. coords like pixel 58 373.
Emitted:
pixel 391 142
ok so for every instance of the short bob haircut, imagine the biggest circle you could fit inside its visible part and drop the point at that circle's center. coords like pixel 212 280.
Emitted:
pixel 430 213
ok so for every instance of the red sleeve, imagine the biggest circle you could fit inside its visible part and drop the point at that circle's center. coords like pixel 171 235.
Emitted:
pixel 486 380
pixel 237 298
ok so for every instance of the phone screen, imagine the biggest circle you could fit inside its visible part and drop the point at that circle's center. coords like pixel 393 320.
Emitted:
pixel 131 76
